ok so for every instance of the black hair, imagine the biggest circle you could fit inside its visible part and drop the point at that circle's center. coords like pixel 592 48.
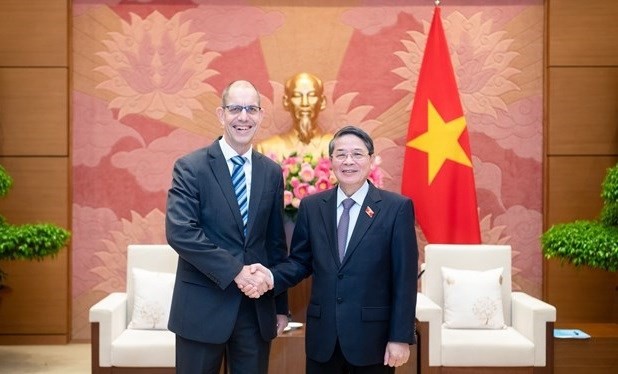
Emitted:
pixel 351 130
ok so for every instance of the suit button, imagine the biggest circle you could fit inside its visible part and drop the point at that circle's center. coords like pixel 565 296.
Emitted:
pixel 339 300
pixel 340 276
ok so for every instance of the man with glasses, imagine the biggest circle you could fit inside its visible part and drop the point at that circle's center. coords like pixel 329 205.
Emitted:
pixel 359 244
pixel 224 212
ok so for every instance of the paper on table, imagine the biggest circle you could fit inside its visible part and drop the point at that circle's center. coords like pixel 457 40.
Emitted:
pixel 570 334
pixel 292 326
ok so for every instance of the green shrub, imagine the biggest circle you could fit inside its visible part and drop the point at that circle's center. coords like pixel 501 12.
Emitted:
pixel 609 188
pixel 5 182
pixel 592 243
pixel 609 214
pixel 29 241
pixel 583 243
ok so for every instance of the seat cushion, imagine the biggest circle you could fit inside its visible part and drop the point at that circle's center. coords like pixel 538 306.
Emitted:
pixel 505 347
pixel 145 348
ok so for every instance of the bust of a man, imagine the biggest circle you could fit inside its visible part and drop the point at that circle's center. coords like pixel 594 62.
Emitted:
pixel 304 99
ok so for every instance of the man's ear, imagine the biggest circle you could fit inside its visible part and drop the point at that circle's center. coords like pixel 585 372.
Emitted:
pixel 323 106
pixel 286 102
pixel 220 115
pixel 260 116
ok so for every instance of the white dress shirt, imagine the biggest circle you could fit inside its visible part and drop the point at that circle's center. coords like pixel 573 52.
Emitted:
pixel 359 198
pixel 228 153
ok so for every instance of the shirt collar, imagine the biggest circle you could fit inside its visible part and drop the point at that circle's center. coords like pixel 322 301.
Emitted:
pixel 229 152
pixel 358 196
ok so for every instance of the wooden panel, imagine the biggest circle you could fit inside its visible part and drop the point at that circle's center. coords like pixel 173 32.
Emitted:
pixel 40 190
pixel 38 299
pixel 33 112
pixel 37 302
pixel 581 294
pixel 34 32
pixel 583 356
pixel 583 111
pixel 574 187
pixel 287 353
pixel 583 32
pixel 22 339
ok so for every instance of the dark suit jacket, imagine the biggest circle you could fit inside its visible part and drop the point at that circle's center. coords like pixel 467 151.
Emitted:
pixel 370 298
pixel 203 224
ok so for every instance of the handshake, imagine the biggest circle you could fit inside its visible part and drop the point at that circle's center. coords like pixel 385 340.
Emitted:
pixel 254 280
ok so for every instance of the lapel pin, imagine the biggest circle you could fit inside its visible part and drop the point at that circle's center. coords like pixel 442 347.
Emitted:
pixel 369 212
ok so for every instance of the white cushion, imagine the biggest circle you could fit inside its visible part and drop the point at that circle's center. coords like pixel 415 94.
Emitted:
pixel 473 299
pixel 144 348
pixel 152 299
pixel 505 347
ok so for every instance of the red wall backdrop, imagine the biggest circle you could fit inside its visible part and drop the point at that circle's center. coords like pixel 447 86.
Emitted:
pixel 148 75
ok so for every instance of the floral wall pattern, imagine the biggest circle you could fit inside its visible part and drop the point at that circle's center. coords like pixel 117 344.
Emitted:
pixel 148 75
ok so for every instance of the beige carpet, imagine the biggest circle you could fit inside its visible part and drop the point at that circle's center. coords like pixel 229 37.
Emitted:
pixel 48 359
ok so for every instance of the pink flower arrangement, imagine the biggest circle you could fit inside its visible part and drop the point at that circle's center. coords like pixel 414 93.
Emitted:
pixel 306 175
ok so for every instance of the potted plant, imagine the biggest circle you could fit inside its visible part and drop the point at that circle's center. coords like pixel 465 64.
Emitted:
pixel 591 243
pixel 29 241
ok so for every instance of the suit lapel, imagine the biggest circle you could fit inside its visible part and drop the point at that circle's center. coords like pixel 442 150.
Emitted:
pixel 328 210
pixel 224 179
pixel 368 214
pixel 258 181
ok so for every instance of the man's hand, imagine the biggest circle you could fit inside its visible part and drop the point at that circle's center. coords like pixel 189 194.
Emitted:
pixel 254 280
pixel 396 354
pixel 282 322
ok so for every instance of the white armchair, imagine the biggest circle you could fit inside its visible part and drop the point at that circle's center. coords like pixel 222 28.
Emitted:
pixel 523 345
pixel 118 349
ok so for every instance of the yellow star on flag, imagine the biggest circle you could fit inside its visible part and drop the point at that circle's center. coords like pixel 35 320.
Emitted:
pixel 441 141
pixel 444 197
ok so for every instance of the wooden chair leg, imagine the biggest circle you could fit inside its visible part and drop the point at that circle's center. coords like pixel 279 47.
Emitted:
pixel 422 329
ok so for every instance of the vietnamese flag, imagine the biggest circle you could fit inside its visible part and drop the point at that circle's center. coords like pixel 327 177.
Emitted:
pixel 437 169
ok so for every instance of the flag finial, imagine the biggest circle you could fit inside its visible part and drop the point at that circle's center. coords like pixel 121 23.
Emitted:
pixel 437 2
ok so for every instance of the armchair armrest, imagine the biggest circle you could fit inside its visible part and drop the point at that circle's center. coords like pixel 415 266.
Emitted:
pixel 431 313
pixel 530 318
pixel 111 314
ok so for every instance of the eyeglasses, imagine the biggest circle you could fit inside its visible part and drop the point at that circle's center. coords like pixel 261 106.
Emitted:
pixel 237 109
pixel 356 156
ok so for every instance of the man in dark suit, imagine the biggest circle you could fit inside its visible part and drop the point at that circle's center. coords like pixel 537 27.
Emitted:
pixel 360 317
pixel 225 212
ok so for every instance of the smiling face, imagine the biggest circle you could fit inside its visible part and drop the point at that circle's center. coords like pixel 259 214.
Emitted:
pixel 351 162
pixel 240 128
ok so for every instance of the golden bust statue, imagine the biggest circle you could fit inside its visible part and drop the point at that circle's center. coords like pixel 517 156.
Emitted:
pixel 304 99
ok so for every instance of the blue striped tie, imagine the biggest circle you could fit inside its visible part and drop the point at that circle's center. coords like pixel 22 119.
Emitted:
pixel 240 188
